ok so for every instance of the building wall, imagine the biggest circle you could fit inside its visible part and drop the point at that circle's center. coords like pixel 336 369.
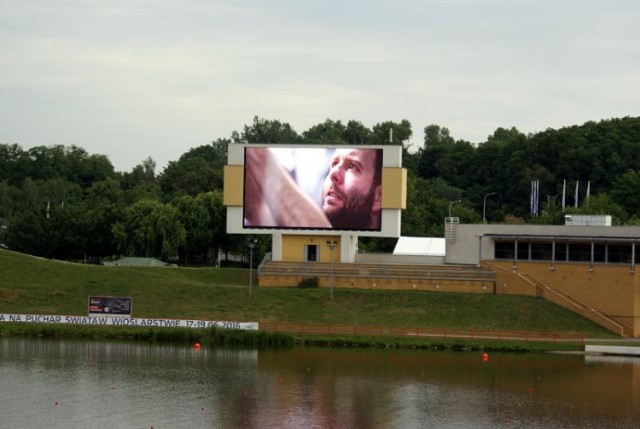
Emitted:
pixel 613 289
pixel 362 282
pixel 293 247
pixel 610 289
pixel 472 242
pixel 388 258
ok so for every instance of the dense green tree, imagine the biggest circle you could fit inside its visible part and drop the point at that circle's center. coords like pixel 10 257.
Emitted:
pixel 14 164
pixel 266 131
pixel 204 221
pixel 8 195
pixel 401 132
pixel 198 170
pixel 107 191
pixel 26 233
pixel 551 213
pixel 151 229
pixel 66 232
pixel 625 191
pixel 48 162
pixel 70 163
pixel 141 182
pixel 88 203
pixel 444 157
pixel 327 133
pixel 100 221
pixel 105 202
pixel 357 134
pixel 217 221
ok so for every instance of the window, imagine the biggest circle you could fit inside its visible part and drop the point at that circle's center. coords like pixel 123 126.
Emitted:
pixel 561 252
pixel 619 253
pixel 504 249
pixel 541 251
pixel 523 251
pixel 311 252
pixel 579 252
pixel 599 252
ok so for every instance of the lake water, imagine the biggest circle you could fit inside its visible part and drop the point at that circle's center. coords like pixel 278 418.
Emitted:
pixel 84 384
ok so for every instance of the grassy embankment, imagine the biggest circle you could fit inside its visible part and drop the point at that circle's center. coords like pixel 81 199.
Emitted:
pixel 39 286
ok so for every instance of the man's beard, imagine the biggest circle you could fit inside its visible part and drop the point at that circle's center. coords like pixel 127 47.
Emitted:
pixel 355 212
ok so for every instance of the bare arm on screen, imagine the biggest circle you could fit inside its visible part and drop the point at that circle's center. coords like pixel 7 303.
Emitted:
pixel 275 199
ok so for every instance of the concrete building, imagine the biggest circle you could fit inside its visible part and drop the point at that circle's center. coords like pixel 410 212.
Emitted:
pixel 588 269
pixel 586 265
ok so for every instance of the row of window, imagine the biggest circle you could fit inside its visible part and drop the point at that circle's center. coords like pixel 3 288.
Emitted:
pixel 566 251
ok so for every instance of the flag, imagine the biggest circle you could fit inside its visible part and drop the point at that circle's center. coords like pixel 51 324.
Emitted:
pixel 531 199
pixel 535 196
pixel 588 192
pixel 564 193
pixel 576 197
pixel 537 199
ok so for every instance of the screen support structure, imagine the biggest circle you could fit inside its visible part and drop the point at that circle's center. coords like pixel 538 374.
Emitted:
pixel 331 244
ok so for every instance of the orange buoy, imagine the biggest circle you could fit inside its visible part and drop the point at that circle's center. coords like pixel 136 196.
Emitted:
pixel 196 346
pixel 485 357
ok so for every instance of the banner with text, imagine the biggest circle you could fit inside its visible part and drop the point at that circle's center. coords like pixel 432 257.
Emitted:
pixel 127 321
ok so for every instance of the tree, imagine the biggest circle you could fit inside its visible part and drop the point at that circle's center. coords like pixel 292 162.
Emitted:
pixel 199 170
pixel 401 132
pixel 217 218
pixel 266 131
pixel 327 133
pixel 446 158
pixel 105 202
pixel 356 133
pixel 66 232
pixel 14 164
pixel 8 195
pixel 201 218
pixel 150 228
pixel 26 233
pixel 625 191
pixel 47 163
pixel 141 182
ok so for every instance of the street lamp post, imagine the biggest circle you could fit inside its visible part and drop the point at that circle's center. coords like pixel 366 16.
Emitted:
pixel 332 245
pixel 452 203
pixel 252 244
pixel 484 206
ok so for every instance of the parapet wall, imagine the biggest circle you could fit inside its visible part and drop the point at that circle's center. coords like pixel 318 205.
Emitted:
pixel 608 289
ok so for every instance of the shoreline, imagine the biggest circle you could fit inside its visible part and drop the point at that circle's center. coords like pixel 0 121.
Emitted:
pixel 217 333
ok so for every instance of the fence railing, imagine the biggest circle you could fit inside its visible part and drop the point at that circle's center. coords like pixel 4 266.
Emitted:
pixel 413 332
pixel 318 328
pixel 472 334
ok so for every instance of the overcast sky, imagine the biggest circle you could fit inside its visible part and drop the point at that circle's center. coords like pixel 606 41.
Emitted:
pixel 137 78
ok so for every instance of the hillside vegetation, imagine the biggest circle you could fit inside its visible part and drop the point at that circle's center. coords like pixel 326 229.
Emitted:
pixel 63 203
pixel 34 285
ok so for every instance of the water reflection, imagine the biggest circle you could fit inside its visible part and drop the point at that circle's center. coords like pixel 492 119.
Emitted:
pixel 56 384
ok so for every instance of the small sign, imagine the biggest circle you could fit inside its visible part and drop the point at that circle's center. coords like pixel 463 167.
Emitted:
pixel 109 306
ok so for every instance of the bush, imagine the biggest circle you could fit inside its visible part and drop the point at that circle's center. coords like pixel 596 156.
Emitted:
pixel 308 283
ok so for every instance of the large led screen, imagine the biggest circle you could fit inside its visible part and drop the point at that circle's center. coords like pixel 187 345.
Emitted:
pixel 313 187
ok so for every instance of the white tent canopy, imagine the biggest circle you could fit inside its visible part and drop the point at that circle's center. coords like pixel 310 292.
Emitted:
pixel 420 246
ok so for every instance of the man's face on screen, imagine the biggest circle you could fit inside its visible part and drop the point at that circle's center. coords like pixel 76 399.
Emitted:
pixel 349 192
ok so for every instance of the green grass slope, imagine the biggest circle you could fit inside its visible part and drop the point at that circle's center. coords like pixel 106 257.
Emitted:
pixel 34 285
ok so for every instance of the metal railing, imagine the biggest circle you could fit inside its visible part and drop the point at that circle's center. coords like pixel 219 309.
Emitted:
pixel 414 332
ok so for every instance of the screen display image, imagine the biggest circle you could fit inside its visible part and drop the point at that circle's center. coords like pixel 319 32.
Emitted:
pixel 109 305
pixel 335 188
